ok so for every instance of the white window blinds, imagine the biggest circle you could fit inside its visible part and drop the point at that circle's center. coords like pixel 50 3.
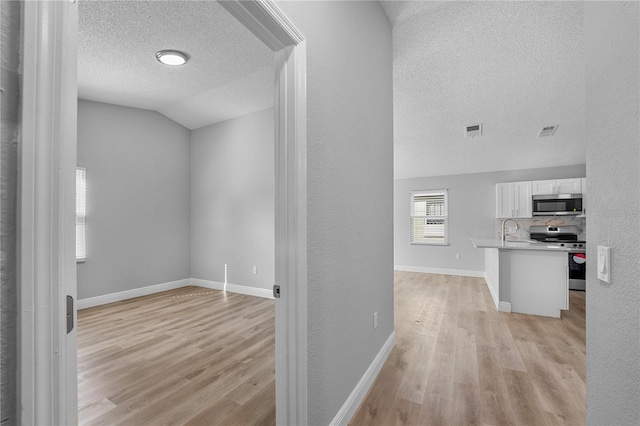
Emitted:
pixel 81 214
pixel 429 217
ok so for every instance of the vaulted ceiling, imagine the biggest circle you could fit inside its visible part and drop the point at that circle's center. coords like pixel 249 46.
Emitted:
pixel 230 73
pixel 515 67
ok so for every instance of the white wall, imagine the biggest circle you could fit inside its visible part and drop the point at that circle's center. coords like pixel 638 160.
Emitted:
pixel 613 162
pixel 10 96
pixel 350 184
pixel 472 213
pixel 232 200
pixel 138 198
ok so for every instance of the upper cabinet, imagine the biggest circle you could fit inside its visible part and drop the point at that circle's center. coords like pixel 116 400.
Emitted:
pixel 557 186
pixel 513 199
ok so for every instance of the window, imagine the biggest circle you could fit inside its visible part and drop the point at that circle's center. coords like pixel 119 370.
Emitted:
pixel 81 214
pixel 429 217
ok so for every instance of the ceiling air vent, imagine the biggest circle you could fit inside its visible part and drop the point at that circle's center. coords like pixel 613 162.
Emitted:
pixel 473 130
pixel 547 131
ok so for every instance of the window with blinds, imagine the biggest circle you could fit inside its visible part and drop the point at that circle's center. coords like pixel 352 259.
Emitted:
pixel 81 214
pixel 429 217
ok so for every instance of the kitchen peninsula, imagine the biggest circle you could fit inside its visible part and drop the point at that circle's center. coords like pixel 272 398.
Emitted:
pixel 526 276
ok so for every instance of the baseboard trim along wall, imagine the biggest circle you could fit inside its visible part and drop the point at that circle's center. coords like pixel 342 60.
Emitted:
pixel 441 271
pixel 234 288
pixel 360 391
pixel 494 296
pixel 504 307
pixel 172 285
pixel 130 294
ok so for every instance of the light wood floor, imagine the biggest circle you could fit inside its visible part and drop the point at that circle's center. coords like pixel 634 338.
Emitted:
pixel 187 356
pixel 457 361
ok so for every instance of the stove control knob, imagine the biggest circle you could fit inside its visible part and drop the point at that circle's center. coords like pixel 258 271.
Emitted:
pixel 562 245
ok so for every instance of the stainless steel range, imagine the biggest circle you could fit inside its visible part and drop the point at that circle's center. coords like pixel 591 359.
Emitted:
pixel 565 236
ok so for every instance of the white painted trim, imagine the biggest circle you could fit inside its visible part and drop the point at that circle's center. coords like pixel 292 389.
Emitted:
pixel 441 271
pixel 494 296
pixel 172 285
pixel 269 24
pixel 233 288
pixel 504 306
pixel 130 294
pixel 264 19
pixel 356 397
pixel 47 356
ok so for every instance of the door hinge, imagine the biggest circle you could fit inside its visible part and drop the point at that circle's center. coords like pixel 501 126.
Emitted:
pixel 276 292
pixel 70 318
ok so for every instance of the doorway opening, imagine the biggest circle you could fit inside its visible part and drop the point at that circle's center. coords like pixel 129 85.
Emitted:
pixel 48 385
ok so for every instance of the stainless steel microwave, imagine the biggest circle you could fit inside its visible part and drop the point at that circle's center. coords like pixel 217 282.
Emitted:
pixel 557 204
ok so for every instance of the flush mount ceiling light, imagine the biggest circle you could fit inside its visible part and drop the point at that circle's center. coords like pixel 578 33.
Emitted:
pixel 172 57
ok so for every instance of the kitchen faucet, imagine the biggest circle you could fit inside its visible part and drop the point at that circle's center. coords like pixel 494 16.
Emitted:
pixel 503 223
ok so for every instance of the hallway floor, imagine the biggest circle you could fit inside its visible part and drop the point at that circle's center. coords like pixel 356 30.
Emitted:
pixel 457 361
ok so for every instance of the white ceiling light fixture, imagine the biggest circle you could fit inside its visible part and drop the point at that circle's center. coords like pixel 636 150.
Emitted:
pixel 172 57
pixel 547 131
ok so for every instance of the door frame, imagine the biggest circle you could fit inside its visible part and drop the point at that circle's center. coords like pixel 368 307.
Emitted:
pixel 47 355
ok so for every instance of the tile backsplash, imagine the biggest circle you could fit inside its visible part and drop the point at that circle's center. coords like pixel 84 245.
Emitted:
pixel 524 224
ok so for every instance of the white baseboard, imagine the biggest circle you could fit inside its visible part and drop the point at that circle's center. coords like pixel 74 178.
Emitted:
pixel 504 307
pixel 441 271
pixel 234 288
pixel 494 296
pixel 356 397
pixel 151 289
pixel 130 294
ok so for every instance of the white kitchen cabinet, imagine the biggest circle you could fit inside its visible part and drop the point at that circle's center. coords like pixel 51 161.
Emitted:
pixel 538 282
pixel 513 200
pixel 557 186
pixel 569 186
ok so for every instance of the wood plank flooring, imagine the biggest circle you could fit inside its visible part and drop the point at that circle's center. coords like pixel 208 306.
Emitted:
pixel 457 361
pixel 186 356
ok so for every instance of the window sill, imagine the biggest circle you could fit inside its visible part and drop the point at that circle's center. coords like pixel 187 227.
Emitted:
pixel 80 261
pixel 429 244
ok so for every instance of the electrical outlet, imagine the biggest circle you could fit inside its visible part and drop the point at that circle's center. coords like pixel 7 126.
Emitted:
pixel 255 269
pixel 375 320
pixel 457 256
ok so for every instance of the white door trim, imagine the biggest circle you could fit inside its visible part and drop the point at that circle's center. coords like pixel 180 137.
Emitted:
pixel 271 26
pixel 46 227
pixel 47 269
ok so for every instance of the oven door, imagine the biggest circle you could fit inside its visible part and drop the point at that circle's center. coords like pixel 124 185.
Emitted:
pixel 577 271
pixel 557 205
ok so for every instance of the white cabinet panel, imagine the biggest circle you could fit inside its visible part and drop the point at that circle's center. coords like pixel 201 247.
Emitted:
pixel 569 186
pixel 513 199
pixel 543 187
pixel 522 197
pixel 557 186
pixel 504 200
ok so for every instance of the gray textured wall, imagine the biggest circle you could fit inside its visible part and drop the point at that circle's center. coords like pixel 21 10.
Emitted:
pixel 232 200
pixel 472 213
pixel 350 194
pixel 9 95
pixel 613 162
pixel 137 199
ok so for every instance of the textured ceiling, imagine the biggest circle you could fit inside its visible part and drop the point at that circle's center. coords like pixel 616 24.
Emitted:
pixel 515 67
pixel 231 72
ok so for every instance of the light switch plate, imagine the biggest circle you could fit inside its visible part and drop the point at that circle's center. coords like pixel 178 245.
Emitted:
pixel 604 264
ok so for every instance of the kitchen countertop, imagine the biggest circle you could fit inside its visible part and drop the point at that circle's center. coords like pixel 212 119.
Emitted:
pixel 519 245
